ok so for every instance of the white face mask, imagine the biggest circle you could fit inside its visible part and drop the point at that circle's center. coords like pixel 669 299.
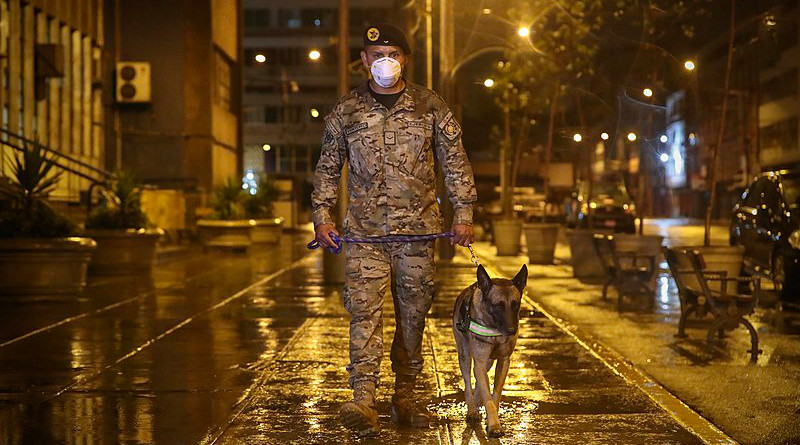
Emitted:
pixel 386 71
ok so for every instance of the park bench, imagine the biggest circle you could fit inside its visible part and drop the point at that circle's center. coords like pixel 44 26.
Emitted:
pixel 631 273
pixel 728 306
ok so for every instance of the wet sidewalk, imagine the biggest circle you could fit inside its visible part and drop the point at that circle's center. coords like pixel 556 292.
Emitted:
pixel 556 392
pixel 222 348
pixel 753 403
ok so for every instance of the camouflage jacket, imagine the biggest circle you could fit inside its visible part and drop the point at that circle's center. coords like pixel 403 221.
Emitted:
pixel 389 153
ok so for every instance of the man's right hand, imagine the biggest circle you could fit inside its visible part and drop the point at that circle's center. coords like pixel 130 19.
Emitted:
pixel 324 237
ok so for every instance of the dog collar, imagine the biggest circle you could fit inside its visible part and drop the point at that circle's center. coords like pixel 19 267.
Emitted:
pixel 477 328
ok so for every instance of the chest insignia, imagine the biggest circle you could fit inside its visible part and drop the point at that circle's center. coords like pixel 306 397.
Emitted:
pixel 389 138
pixel 356 127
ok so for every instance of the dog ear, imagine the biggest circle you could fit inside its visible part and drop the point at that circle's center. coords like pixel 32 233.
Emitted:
pixel 484 282
pixel 521 279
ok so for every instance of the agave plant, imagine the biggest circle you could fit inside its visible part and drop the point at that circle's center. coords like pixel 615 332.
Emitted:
pixel 121 205
pixel 228 201
pixel 261 205
pixel 27 214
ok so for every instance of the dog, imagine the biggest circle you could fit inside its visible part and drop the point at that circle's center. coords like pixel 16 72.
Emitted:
pixel 485 325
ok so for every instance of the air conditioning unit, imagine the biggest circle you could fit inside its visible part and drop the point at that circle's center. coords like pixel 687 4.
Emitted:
pixel 133 82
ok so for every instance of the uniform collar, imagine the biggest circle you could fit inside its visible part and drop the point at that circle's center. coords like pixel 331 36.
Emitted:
pixel 404 102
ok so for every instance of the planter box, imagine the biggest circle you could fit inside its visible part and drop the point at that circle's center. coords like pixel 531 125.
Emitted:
pixel 123 251
pixel 649 245
pixel 30 266
pixel 541 240
pixel 507 233
pixel 586 265
pixel 267 231
pixel 235 234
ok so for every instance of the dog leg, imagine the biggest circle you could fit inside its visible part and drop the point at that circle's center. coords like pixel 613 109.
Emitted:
pixel 465 363
pixel 500 373
pixel 493 428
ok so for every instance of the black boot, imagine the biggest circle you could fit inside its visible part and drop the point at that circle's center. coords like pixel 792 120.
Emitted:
pixel 405 407
pixel 360 415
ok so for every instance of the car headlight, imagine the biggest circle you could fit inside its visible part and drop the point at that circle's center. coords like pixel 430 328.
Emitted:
pixel 794 239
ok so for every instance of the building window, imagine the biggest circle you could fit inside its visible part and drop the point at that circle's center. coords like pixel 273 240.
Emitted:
pixel 781 135
pixel 319 18
pixel 780 87
pixel 289 18
pixel 257 18
pixel 222 81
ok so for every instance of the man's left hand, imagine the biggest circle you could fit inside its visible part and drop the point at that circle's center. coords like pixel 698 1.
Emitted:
pixel 462 235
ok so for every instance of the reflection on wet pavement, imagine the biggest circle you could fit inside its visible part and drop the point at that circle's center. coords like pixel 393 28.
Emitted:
pixel 556 391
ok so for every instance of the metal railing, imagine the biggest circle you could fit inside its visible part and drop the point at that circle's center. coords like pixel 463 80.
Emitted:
pixel 95 175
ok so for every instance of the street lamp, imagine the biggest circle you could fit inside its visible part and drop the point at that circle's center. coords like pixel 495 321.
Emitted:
pixel 664 157
pixel 577 137
pixel 260 58
pixel 523 31
pixel 689 65
pixel 604 136
pixel 488 83
pixel 314 113
pixel 487 11
pixel 266 147
pixel 647 92
pixel 314 54
pixel 631 137
pixel 663 139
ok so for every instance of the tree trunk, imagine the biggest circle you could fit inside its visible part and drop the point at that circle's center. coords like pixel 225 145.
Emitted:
pixel 549 147
pixel 721 130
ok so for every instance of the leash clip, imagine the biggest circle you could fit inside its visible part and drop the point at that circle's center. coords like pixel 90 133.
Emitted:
pixel 474 258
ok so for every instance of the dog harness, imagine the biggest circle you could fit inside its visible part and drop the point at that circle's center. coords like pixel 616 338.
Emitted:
pixel 466 323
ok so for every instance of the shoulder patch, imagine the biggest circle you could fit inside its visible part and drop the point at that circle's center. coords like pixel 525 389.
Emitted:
pixel 450 127
pixel 331 133
pixel 355 127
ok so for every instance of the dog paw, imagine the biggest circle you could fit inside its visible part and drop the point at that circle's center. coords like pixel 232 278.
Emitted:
pixel 494 431
pixel 473 417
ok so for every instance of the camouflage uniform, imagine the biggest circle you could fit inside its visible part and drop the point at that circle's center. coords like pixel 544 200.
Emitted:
pixel 391 185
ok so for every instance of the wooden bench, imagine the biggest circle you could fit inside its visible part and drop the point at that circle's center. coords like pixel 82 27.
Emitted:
pixel 726 304
pixel 631 273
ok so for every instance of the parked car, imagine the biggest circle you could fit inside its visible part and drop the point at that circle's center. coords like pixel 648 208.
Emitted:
pixel 610 207
pixel 766 221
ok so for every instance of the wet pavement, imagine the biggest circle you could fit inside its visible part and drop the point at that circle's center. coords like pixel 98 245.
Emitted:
pixel 238 349
pixel 754 404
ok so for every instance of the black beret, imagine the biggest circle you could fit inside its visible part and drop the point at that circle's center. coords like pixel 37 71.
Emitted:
pixel 385 34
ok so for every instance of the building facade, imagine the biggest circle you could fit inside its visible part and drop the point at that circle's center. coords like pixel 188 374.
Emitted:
pixel 291 78
pixel 51 54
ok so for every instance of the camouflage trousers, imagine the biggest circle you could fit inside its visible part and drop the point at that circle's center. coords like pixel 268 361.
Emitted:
pixel 369 271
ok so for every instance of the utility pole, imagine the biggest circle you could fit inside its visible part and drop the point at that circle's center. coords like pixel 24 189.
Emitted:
pixel 446 62
pixel 333 264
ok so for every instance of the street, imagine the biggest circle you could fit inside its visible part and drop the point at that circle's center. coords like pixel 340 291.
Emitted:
pixel 232 348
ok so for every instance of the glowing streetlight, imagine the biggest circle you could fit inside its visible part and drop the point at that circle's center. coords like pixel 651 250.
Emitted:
pixel 631 137
pixel 647 92
pixel 604 136
pixel 314 54
pixel 487 11
pixel 663 139
pixel 523 31
pixel 260 58
pixel 488 83
pixel 664 157
pixel 689 65
pixel 266 147
pixel 314 113
pixel 577 137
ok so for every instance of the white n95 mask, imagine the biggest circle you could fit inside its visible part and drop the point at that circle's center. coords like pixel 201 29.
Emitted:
pixel 386 71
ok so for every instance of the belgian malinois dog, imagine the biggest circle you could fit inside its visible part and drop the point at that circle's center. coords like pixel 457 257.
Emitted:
pixel 485 323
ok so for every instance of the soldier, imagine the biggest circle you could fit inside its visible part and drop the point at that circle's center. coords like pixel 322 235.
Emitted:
pixel 388 131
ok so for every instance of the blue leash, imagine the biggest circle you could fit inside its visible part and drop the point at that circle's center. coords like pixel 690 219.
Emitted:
pixel 384 240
